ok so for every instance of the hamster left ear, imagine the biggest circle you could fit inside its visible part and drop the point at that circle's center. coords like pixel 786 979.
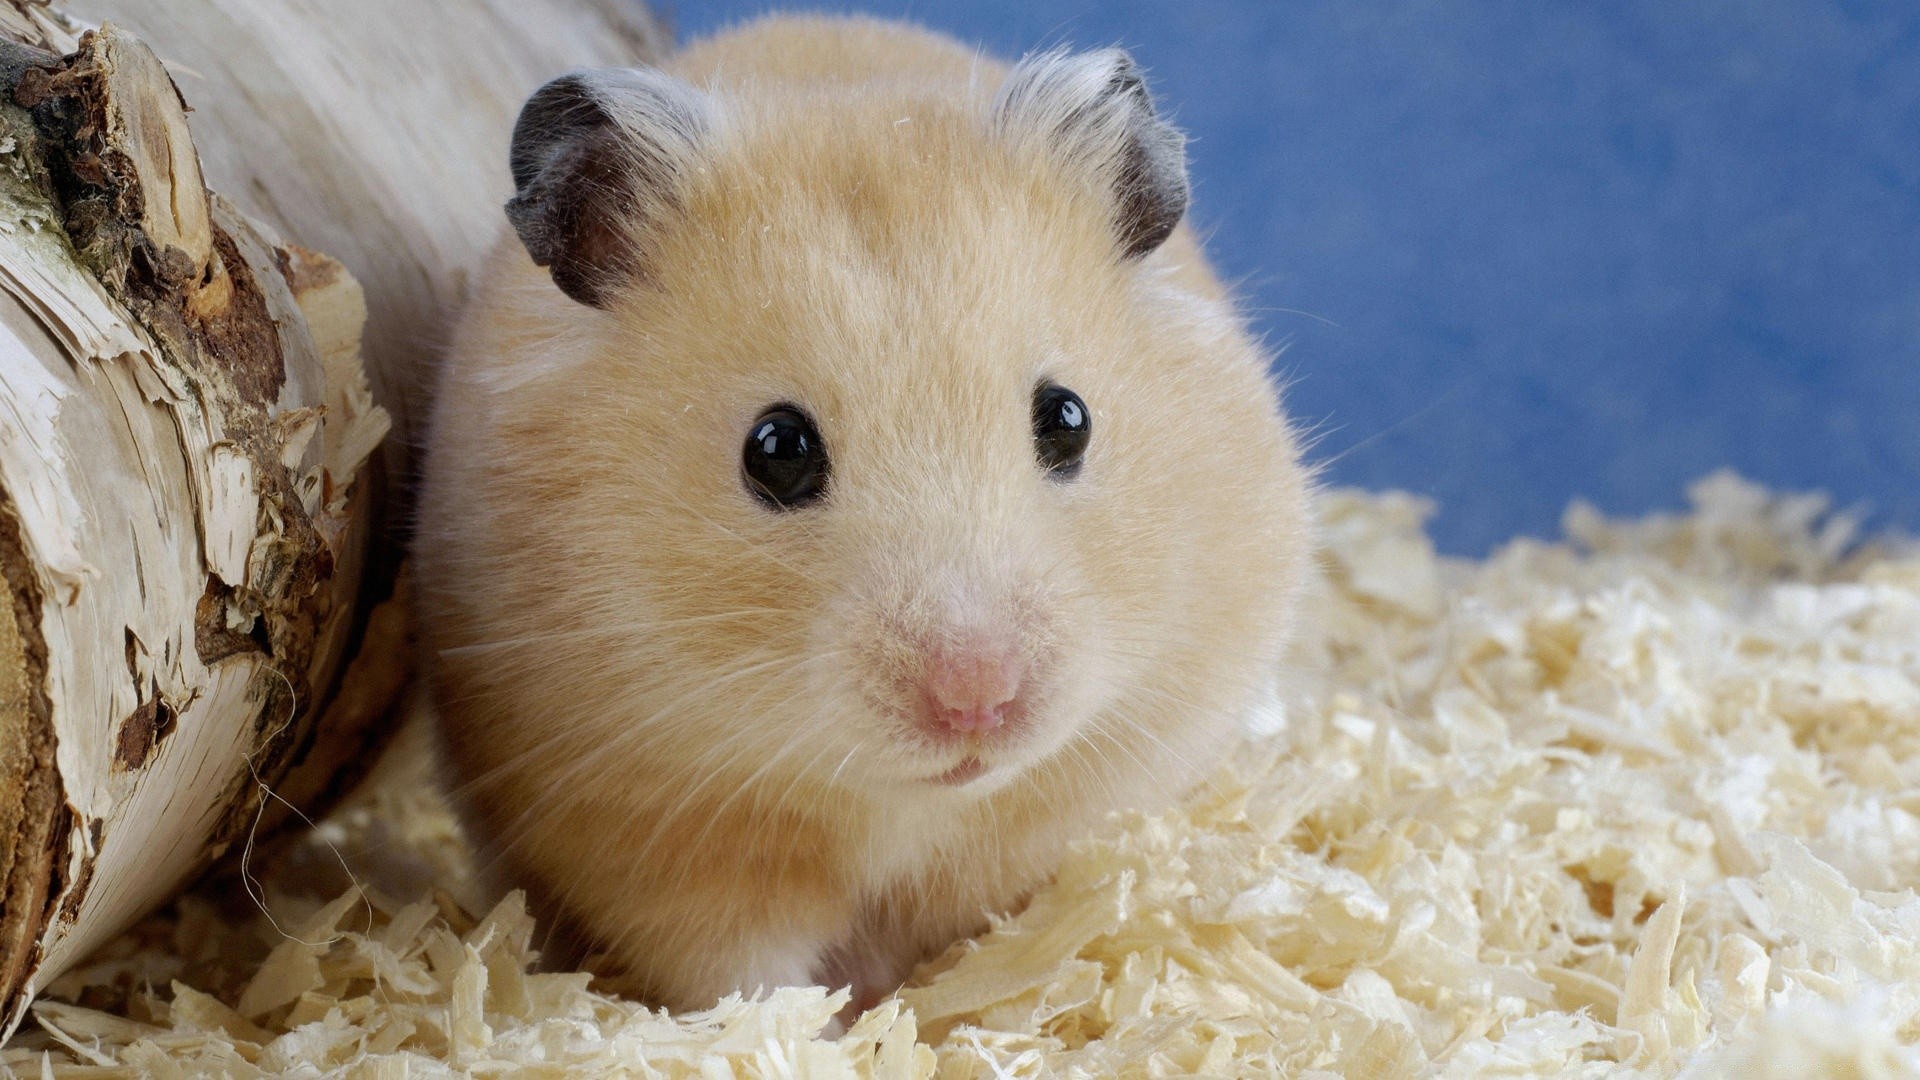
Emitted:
pixel 596 159
pixel 1094 109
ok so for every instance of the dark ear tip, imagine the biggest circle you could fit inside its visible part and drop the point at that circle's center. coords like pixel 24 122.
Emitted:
pixel 594 156
pixel 1145 241
pixel 582 284
pixel 1151 170
pixel 556 156
pixel 532 217
pixel 560 102
pixel 1126 70
pixel 1125 77
pixel 528 215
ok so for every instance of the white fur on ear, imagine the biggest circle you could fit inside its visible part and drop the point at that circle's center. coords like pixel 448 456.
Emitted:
pixel 596 155
pixel 1093 110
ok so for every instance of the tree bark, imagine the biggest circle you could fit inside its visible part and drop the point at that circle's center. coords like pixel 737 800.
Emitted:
pixel 377 130
pixel 198 540
pixel 184 429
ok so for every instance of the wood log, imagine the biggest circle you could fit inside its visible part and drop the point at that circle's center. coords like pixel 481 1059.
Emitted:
pixel 205 630
pixel 377 130
pixel 184 427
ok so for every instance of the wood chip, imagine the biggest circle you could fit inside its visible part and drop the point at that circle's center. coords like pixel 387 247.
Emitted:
pixel 1642 806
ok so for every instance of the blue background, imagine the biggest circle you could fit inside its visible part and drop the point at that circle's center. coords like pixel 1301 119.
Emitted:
pixel 1522 252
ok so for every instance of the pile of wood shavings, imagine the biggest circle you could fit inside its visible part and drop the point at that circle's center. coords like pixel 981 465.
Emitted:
pixel 1641 805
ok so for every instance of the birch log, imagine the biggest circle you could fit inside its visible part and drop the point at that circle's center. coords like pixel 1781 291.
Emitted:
pixel 190 541
pixel 184 424
pixel 376 129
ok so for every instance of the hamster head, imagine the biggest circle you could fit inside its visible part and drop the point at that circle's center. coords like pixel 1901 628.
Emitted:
pixel 872 442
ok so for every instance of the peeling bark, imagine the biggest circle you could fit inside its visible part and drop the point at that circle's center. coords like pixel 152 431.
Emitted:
pixel 374 129
pixel 184 439
pixel 32 819
pixel 204 518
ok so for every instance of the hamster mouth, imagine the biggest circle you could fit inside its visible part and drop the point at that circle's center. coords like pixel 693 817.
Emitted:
pixel 970 768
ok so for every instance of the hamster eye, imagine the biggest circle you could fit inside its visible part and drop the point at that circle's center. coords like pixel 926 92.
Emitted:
pixel 1061 427
pixel 784 462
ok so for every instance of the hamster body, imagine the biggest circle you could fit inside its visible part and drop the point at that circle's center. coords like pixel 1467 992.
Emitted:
pixel 785 616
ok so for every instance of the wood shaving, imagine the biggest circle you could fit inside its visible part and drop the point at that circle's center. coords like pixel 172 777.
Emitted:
pixel 1641 804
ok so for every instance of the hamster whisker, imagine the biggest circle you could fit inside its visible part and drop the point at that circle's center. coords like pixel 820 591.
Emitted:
pixel 1103 779
pixel 1116 728
pixel 758 805
pixel 783 666
pixel 1157 648
pixel 1136 726
pixel 638 730
pixel 750 784
pixel 835 777
pixel 612 630
pixel 708 771
pixel 1081 782
pixel 750 545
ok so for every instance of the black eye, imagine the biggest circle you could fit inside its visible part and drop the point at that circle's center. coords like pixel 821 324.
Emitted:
pixel 784 461
pixel 1061 427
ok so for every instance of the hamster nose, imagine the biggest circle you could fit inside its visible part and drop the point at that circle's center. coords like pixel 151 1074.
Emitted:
pixel 972 687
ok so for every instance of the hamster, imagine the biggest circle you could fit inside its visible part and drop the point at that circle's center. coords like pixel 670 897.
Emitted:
pixel 847 485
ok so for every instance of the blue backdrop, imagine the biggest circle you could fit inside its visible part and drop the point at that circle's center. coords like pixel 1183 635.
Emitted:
pixel 1521 252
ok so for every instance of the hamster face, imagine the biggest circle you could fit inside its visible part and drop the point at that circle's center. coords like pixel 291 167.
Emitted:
pixel 912 321
pixel 882 497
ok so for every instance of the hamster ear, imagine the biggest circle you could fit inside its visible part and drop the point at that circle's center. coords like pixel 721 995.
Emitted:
pixel 1094 109
pixel 595 158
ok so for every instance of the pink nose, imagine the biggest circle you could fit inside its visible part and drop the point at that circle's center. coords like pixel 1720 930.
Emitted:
pixel 972 687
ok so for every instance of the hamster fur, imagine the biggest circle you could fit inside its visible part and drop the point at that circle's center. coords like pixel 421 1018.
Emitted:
pixel 717 737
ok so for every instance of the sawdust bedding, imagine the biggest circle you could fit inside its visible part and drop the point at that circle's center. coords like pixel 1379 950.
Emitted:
pixel 1643 803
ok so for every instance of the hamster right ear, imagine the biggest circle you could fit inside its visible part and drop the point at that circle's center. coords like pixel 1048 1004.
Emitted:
pixel 1093 110
pixel 596 159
